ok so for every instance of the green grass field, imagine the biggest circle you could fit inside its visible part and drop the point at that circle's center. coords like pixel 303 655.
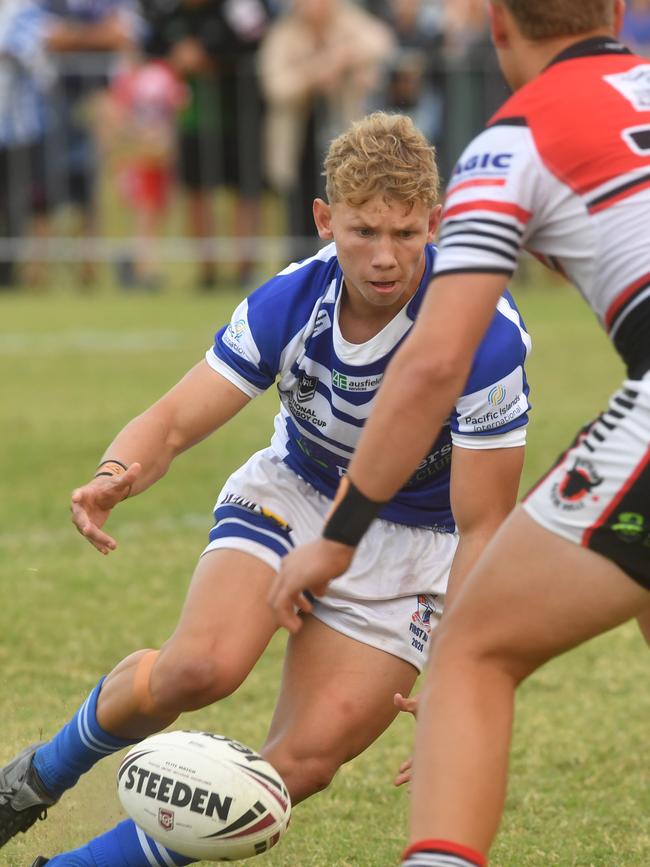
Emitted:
pixel 74 370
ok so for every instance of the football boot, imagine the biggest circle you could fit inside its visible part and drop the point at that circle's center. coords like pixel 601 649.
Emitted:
pixel 23 798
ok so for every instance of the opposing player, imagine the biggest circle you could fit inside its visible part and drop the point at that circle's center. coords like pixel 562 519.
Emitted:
pixel 564 170
pixel 325 329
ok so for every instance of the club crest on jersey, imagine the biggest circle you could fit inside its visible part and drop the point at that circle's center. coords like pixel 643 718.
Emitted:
pixel 306 387
pixel 569 494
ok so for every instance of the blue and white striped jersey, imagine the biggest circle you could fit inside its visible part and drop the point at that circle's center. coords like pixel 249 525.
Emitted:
pixel 288 330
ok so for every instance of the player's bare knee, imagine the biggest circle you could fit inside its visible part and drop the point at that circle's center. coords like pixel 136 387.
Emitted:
pixel 303 775
pixel 190 680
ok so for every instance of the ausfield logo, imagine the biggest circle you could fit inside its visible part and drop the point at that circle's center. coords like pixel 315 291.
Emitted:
pixel 356 383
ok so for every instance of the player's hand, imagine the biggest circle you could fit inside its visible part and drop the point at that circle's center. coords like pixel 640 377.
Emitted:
pixel 407 705
pixel 91 505
pixel 309 567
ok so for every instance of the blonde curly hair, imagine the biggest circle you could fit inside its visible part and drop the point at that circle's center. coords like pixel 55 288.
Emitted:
pixel 382 154
pixel 552 18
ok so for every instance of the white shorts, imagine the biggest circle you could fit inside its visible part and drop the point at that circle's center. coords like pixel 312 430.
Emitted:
pixel 598 493
pixel 393 593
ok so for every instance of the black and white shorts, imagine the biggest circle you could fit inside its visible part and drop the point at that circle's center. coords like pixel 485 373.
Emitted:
pixel 598 493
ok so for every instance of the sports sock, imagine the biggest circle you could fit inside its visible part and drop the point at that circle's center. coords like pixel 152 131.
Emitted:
pixel 125 845
pixel 79 745
pixel 441 853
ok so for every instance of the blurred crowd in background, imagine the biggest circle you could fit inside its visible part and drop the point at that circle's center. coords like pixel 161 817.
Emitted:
pixel 128 119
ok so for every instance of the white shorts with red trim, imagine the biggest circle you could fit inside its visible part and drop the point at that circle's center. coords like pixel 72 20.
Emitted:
pixel 598 493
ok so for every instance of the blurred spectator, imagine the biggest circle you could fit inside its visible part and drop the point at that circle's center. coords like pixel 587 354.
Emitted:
pixel 474 85
pixel 138 130
pixel 25 75
pixel 83 41
pixel 319 64
pixel 415 76
pixel 211 44
pixel 636 26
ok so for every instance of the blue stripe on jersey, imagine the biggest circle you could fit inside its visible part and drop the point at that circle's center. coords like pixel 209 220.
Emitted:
pixel 285 330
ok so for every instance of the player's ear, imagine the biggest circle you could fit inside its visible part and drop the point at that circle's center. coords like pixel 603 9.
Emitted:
pixel 619 14
pixel 498 25
pixel 323 219
pixel 435 215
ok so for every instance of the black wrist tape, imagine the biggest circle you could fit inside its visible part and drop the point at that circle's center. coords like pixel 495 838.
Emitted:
pixel 351 516
pixel 111 467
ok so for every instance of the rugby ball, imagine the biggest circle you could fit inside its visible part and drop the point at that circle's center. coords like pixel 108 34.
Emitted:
pixel 204 795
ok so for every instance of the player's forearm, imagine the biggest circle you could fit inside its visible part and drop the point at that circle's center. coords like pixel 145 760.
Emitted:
pixel 470 547
pixel 412 405
pixel 147 440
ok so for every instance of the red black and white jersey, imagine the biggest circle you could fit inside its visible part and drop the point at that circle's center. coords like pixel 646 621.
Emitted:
pixel 563 170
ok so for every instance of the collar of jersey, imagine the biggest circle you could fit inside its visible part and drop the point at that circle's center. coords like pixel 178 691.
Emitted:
pixel 591 47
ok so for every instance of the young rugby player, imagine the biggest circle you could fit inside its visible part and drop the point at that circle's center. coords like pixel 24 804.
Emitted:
pixel 564 170
pixel 324 329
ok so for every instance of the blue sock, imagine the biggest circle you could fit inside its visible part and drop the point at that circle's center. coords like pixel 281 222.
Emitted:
pixel 79 745
pixel 125 845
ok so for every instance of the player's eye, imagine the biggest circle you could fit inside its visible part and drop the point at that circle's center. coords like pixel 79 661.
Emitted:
pixel 406 234
pixel 365 232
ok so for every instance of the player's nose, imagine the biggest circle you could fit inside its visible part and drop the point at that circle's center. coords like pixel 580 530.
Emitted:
pixel 384 254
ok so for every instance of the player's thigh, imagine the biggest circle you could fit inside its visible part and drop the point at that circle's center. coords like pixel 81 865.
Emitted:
pixel 225 623
pixel 336 698
pixel 533 595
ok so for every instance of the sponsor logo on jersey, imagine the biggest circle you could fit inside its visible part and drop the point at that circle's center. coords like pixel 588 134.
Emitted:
pixel 323 322
pixel 483 162
pixel 232 335
pixel 497 395
pixel 494 418
pixel 356 383
pixel 578 481
pixel 304 413
pixel 634 85
pixel 435 462
pixel 493 407
pixel 306 387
